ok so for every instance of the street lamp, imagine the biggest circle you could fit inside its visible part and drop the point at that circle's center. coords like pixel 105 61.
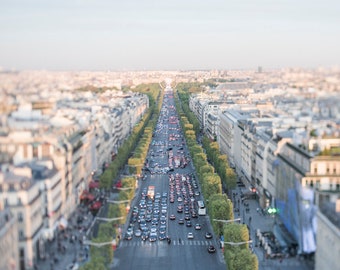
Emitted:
pixel 103 219
pixel 89 243
pixel 118 202
pixel 238 243
pixel 227 221
pixel 126 188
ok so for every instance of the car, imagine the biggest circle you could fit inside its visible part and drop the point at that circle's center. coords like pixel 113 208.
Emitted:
pixel 198 226
pixel 181 221
pixel 211 249
pixel 188 224
pixel 145 235
pixel 162 236
pixel 153 237
pixel 193 214
pixel 138 233
pixel 153 228
pixel 172 217
pixel 208 235
pixel 128 236
pixel 162 228
pixel 190 235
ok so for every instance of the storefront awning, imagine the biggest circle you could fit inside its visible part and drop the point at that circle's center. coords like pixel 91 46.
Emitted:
pixel 94 184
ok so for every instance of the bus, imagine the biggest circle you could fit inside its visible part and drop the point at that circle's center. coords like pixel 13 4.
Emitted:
pixel 201 208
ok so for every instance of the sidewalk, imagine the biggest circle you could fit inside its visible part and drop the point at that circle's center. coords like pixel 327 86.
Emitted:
pixel 66 248
pixel 255 219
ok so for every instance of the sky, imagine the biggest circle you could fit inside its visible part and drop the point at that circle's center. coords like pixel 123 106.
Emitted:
pixel 168 35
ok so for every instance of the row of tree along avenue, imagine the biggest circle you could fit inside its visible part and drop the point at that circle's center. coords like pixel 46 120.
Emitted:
pixel 213 172
pixel 102 252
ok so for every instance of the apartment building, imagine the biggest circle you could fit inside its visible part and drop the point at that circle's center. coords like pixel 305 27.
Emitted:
pixel 22 194
pixel 48 160
pixel 328 235
pixel 294 201
pixel 8 240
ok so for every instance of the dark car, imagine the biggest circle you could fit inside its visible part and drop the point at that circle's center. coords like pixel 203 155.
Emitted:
pixel 145 235
pixel 208 235
pixel 181 221
pixel 211 249
pixel 128 236
pixel 188 224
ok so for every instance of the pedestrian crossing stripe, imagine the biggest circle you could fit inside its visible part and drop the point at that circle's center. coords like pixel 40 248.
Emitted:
pixel 165 243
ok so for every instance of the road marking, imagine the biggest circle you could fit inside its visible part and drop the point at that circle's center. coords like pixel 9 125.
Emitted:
pixel 163 243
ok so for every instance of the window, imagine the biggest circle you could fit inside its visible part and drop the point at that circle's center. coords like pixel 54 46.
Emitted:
pixel 25 151
pixel 20 217
pixel 311 183
pixel 317 184
pixel 21 234
pixel 315 170
pixel 35 151
pixel 45 150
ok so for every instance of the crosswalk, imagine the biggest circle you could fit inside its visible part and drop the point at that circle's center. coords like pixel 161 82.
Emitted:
pixel 165 243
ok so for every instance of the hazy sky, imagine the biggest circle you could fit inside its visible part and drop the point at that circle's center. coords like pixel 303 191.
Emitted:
pixel 174 34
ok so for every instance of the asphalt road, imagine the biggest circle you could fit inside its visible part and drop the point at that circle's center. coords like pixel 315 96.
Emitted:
pixel 181 253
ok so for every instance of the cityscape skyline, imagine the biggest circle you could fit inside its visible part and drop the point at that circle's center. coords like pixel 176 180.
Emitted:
pixel 151 35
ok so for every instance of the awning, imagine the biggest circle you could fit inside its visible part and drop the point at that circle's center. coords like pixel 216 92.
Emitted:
pixel 84 195
pixel 96 205
pixel 94 184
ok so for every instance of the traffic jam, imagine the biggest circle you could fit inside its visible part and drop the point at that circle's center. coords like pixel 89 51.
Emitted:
pixel 180 204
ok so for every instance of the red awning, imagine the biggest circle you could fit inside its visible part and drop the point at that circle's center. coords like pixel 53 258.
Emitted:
pixel 84 195
pixel 90 197
pixel 94 184
pixel 96 205
pixel 87 196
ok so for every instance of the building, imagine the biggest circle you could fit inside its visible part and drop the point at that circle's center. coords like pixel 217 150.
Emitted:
pixel 8 240
pixel 328 235
pixel 22 195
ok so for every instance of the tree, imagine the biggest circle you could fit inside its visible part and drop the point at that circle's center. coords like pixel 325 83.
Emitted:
pixel 97 263
pixel 240 259
pixel 211 184
pixel 106 251
pixel 221 208
pixel 105 180
pixel 206 169
pixel 236 233
pixel 231 179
